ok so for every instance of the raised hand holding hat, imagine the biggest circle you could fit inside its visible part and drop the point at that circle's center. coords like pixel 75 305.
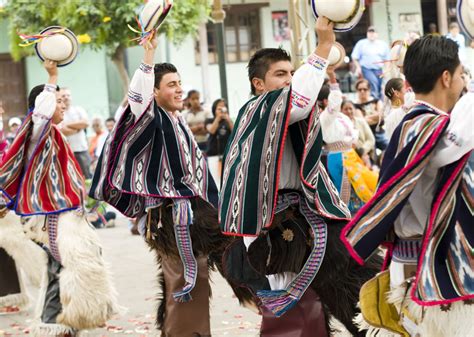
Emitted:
pixel 344 13
pixel 54 43
pixel 151 16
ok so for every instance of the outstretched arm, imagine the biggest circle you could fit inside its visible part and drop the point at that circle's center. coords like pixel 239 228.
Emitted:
pixel 140 92
pixel 309 78
pixel 45 104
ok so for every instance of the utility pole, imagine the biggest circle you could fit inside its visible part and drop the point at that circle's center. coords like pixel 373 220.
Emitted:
pixel 298 15
pixel 218 15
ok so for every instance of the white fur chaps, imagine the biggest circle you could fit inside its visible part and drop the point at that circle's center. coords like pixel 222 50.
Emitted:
pixel 451 320
pixel 28 256
pixel 87 295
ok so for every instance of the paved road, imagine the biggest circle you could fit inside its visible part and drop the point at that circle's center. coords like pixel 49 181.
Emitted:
pixel 134 272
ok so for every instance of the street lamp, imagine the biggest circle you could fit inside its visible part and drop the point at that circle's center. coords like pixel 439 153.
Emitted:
pixel 218 16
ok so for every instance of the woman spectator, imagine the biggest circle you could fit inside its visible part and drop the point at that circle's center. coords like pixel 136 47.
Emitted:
pixel 196 118
pixel 371 109
pixel 219 128
pixel 399 101
pixel 365 139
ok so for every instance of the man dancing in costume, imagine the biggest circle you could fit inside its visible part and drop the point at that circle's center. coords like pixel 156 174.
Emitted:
pixel 39 177
pixel 277 195
pixel 424 203
pixel 151 168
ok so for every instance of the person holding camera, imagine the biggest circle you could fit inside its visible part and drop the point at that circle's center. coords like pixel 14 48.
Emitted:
pixel 219 128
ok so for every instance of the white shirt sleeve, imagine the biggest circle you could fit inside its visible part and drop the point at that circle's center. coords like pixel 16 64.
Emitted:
pixel 140 92
pixel 306 84
pixel 459 136
pixel 45 105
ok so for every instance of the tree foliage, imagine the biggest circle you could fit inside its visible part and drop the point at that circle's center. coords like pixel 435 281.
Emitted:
pixel 102 22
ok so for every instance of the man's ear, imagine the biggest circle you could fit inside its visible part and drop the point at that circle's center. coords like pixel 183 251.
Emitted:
pixel 446 79
pixel 258 84
pixel 155 91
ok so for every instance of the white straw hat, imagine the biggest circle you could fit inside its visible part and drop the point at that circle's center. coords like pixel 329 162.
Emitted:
pixel 61 45
pixel 154 13
pixel 336 55
pixel 344 13
pixel 465 14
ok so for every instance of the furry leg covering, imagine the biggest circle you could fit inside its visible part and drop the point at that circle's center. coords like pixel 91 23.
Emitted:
pixel 42 330
pixel 87 295
pixel 27 255
pixel 340 278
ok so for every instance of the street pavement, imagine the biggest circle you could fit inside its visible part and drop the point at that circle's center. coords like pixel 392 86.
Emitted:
pixel 134 271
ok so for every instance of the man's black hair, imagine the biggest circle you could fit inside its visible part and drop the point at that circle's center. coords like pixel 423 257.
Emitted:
pixel 161 69
pixel 260 63
pixel 323 95
pixel 426 60
pixel 34 93
pixel 110 119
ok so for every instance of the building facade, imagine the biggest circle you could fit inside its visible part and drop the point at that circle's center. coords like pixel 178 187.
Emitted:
pixel 249 25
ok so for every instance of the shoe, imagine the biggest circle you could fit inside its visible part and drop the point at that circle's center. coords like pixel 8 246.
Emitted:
pixel 110 224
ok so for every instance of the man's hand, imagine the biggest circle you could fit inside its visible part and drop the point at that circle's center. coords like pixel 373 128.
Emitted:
pixel 326 37
pixel 325 30
pixel 52 69
pixel 150 47
pixel 151 44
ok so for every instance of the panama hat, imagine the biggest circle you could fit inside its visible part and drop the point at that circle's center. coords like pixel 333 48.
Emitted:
pixel 154 13
pixel 336 55
pixel 465 14
pixel 57 44
pixel 344 13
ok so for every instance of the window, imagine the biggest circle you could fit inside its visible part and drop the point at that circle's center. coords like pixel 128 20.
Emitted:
pixel 241 34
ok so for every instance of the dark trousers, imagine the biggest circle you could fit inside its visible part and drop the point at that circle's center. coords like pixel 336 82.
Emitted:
pixel 84 161
pixel 9 281
pixel 375 81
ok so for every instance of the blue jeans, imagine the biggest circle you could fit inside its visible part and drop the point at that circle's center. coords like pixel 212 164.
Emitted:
pixel 374 76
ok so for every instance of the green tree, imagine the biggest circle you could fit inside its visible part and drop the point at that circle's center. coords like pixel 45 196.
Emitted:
pixel 99 23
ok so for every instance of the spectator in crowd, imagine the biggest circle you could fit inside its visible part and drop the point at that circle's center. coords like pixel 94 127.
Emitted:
pixel 368 56
pixel 433 29
pixel 109 124
pixel 97 141
pixel 219 128
pixel 365 141
pixel 396 108
pixel 196 118
pixel 74 128
pixel 13 124
pixel 370 108
pixel 455 35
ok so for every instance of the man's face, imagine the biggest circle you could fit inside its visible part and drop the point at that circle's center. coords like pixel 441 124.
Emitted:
pixel 371 35
pixel 278 76
pixel 454 31
pixel 66 96
pixel 194 101
pixel 58 115
pixel 456 86
pixel 97 126
pixel 169 95
pixel 109 125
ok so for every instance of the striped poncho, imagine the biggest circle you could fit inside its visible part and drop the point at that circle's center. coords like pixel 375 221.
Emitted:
pixel 445 264
pixel 252 162
pixel 48 182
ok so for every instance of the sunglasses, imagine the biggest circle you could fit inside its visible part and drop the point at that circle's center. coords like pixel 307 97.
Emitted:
pixel 362 89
